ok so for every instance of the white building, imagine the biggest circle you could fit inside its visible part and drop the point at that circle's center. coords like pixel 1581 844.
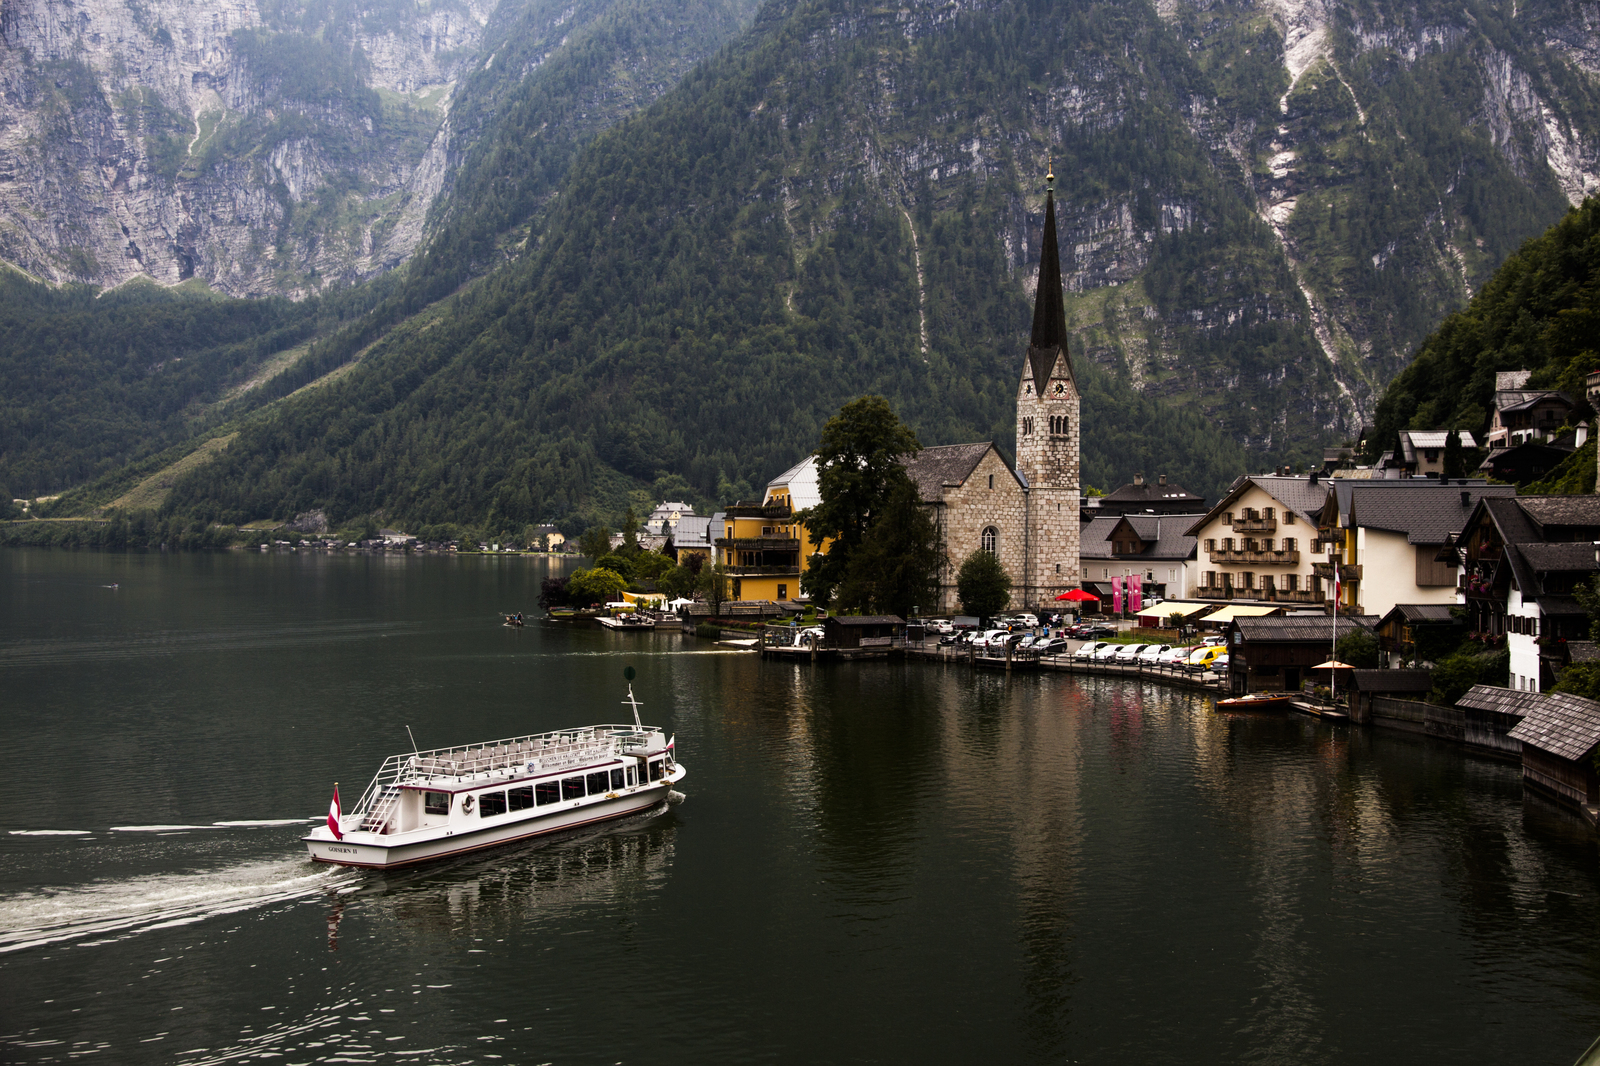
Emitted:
pixel 1260 541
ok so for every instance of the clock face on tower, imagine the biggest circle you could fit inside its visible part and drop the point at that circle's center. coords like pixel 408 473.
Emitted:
pixel 1060 389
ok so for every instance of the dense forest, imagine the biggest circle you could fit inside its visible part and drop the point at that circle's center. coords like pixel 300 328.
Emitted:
pixel 1540 312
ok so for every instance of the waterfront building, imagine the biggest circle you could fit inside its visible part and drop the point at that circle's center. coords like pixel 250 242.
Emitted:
pixel 1388 536
pixel 1559 733
pixel 1276 654
pixel 1521 557
pixel 1411 632
pixel 1258 542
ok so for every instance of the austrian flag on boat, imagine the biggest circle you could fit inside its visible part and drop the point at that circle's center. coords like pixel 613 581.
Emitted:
pixel 333 814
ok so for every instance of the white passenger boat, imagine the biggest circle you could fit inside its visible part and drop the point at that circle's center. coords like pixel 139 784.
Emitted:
pixel 429 804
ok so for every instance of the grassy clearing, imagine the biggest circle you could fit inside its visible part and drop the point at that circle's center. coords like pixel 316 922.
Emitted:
pixel 152 492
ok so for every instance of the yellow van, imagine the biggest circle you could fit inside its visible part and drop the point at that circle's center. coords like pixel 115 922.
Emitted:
pixel 1203 658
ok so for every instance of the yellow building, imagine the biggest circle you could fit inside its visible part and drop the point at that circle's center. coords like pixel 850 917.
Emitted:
pixel 762 545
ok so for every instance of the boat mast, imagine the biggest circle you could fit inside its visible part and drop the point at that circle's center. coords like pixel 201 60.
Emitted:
pixel 631 702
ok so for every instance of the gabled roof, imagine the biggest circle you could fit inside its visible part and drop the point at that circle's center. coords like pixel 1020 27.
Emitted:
pixel 1135 495
pixel 1569 556
pixel 1522 399
pixel 1497 699
pixel 1303 629
pixel 1567 511
pixel 1165 536
pixel 694 531
pixel 947 464
pixel 1432 438
pixel 1423 613
pixel 1559 723
pixel 1299 494
pixel 1426 511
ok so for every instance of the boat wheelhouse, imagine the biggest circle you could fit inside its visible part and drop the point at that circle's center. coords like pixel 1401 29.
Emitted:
pixel 431 804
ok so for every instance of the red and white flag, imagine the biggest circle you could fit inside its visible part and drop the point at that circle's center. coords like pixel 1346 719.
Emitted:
pixel 333 816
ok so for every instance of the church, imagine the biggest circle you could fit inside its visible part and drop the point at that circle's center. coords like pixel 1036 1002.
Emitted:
pixel 1026 512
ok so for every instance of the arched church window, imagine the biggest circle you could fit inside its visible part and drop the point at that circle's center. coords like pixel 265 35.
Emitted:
pixel 990 541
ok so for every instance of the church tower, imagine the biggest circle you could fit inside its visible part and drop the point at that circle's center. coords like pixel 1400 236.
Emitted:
pixel 1047 435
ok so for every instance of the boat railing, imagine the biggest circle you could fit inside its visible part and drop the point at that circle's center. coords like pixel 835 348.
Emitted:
pixel 545 751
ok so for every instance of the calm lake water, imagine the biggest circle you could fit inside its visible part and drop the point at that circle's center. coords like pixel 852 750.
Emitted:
pixel 872 863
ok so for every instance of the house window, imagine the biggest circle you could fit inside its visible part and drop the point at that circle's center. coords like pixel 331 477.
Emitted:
pixel 1211 544
pixel 1292 582
pixel 1105 573
pixel 1227 518
pixel 991 481
pixel 783 592
pixel 1058 568
pixel 1268 512
pixel 1288 544
pixel 1227 544
pixel 1027 425
pixel 1247 580
pixel 1172 575
pixel 1267 583
pixel 1288 518
pixel 1266 545
pixel 990 539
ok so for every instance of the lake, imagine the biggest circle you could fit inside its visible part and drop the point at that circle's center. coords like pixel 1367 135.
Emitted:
pixel 871 863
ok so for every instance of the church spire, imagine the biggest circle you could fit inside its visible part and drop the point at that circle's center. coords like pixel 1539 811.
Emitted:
pixel 1049 312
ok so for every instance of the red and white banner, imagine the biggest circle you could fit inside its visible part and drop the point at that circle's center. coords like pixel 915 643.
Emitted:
pixel 333 816
pixel 1135 593
pixel 1116 594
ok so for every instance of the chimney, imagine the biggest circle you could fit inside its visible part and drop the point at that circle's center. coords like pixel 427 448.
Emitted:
pixel 1138 479
pixel 1466 498
pixel 1161 479
pixel 1314 475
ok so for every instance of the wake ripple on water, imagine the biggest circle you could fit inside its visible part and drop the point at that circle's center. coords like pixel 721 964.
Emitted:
pixel 112 909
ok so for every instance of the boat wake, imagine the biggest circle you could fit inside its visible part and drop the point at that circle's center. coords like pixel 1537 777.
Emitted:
pixel 103 911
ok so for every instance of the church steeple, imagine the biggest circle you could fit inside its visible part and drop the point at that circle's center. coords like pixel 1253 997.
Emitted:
pixel 1049 312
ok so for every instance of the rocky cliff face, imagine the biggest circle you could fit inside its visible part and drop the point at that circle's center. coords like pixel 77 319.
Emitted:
pixel 234 141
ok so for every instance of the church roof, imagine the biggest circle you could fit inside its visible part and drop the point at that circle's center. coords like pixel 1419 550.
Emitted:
pixel 946 464
pixel 1049 338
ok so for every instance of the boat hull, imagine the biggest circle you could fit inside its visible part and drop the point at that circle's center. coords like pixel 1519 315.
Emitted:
pixel 374 851
pixel 1273 704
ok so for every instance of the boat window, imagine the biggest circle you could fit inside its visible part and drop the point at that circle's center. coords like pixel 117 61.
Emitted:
pixel 547 792
pixel 655 769
pixel 572 788
pixel 436 803
pixel 616 779
pixel 599 783
pixel 491 803
pixel 633 776
pixel 520 799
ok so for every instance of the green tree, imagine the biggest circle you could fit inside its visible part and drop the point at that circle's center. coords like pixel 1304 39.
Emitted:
pixel 1580 679
pixel 630 533
pixel 1455 456
pixel 1357 649
pixel 983 585
pixel 595 585
pixel 859 463
pixel 897 565
pixel 595 542
pixel 677 582
pixel 714 583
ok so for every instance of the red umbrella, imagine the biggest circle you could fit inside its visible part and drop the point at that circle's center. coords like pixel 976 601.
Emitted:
pixel 1078 594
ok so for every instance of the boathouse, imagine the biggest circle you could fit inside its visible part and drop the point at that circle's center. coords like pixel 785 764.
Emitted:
pixel 1489 713
pixel 861 631
pixel 1276 654
pixel 1559 734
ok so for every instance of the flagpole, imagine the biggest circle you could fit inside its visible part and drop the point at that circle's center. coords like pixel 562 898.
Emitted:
pixel 1333 653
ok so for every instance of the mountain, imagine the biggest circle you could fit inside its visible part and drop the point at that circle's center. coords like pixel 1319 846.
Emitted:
pixel 1540 312
pixel 1263 210
pixel 276 146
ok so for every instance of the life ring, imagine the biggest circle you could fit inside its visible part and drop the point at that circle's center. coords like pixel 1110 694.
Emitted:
pixel 466 804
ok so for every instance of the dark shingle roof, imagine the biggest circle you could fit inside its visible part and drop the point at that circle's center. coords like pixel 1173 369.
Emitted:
pixel 1302 629
pixel 1583 651
pixel 1392 680
pixel 1522 399
pixel 1425 511
pixel 1049 339
pixel 1564 725
pixel 1561 510
pixel 1495 698
pixel 1148 493
pixel 946 464
pixel 1569 555
pixel 1165 536
pixel 1299 494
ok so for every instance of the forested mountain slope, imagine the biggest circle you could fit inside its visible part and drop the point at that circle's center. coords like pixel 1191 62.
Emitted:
pixel 1265 209
pixel 275 146
pixel 1540 312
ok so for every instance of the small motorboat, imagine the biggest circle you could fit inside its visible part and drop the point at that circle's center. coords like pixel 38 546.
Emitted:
pixel 514 619
pixel 1257 701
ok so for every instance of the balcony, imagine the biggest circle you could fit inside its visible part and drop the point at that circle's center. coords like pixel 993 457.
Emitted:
pixel 1255 525
pixel 759 544
pixel 1277 558
pixel 1230 592
pixel 1347 572
pixel 764 571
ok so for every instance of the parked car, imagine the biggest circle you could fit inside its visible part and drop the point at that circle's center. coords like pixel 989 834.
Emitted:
pixel 1108 652
pixel 992 638
pixel 1094 632
pixel 1050 646
pixel 941 626
pixel 1129 652
pixel 1152 653
pixel 1091 649
pixel 1177 655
